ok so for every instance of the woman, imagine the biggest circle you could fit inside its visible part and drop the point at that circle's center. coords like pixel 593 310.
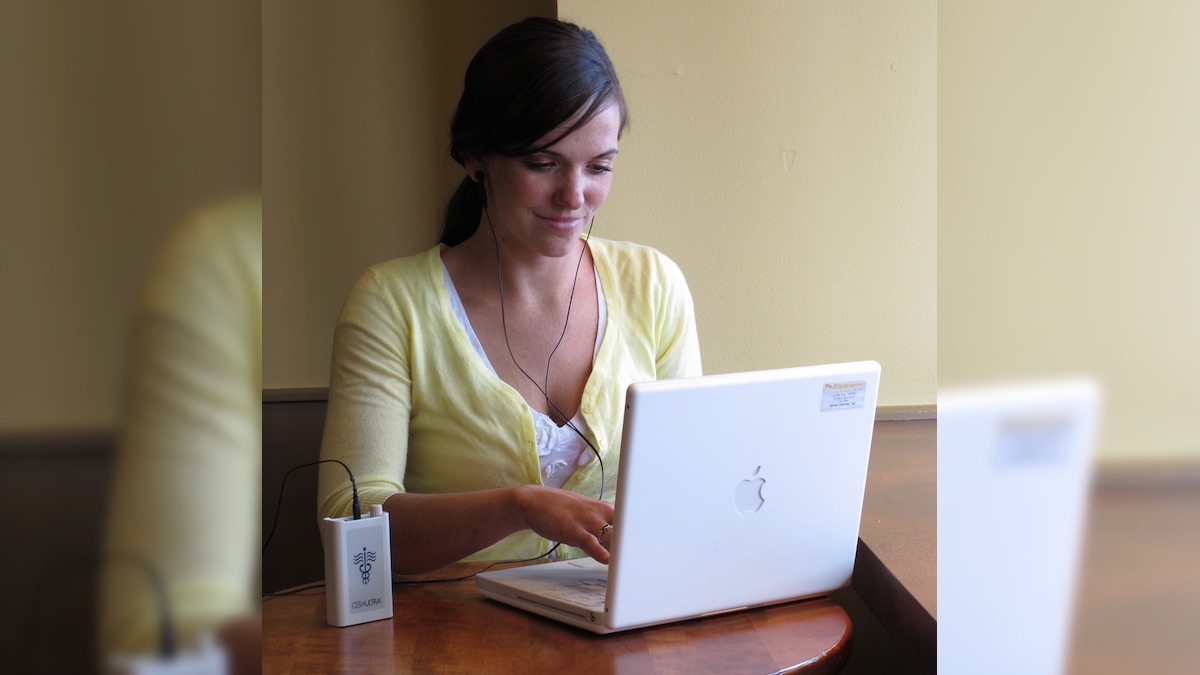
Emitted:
pixel 477 389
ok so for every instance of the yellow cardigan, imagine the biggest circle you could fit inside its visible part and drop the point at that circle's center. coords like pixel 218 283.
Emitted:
pixel 413 407
pixel 188 476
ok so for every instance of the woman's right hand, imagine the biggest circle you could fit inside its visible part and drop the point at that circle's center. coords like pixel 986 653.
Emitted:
pixel 567 518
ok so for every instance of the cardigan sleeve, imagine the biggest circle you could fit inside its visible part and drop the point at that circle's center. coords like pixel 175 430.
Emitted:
pixel 188 466
pixel 370 400
pixel 676 340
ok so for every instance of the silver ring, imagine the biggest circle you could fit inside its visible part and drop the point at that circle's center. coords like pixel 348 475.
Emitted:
pixel 604 530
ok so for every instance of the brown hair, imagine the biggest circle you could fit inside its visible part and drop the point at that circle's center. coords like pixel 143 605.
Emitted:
pixel 528 80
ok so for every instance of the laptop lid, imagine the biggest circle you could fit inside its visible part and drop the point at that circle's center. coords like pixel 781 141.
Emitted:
pixel 739 490
pixel 734 491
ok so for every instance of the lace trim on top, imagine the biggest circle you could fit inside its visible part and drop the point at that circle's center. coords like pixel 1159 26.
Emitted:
pixel 560 450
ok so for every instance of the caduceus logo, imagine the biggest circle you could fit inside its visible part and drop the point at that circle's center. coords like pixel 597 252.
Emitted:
pixel 364 560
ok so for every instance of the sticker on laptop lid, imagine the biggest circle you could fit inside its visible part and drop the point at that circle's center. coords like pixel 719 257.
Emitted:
pixel 843 395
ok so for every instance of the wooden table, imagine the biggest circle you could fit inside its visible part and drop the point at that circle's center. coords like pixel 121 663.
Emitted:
pixel 1137 605
pixel 449 628
pixel 1138 601
pixel 895 571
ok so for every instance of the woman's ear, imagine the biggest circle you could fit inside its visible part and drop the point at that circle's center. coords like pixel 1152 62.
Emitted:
pixel 474 168
pixel 476 174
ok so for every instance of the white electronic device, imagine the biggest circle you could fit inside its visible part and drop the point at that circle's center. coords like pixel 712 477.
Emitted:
pixel 358 568
pixel 1014 475
pixel 206 657
pixel 737 491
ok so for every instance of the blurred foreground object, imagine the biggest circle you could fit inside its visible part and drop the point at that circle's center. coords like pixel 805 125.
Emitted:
pixel 1014 470
pixel 187 481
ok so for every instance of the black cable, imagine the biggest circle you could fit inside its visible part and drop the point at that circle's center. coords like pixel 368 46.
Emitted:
pixel 166 627
pixel 357 509
pixel 504 327
pixel 396 582
pixel 268 596
pixel 566 322
pixel 549 402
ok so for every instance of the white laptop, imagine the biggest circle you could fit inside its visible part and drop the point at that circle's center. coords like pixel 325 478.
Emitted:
pixel 735 491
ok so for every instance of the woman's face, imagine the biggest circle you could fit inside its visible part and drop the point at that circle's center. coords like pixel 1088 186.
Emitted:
pixel 542 202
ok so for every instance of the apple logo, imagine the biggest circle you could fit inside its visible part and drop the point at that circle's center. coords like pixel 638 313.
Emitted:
pixel 747 497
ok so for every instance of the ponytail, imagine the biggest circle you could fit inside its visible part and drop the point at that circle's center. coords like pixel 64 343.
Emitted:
pixel 463 212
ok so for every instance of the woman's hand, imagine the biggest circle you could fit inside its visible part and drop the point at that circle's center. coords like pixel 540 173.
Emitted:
pixel 568 518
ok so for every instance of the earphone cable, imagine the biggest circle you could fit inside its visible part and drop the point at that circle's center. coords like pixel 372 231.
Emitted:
pixel 566 322
pixel 396 582
pixel 504 328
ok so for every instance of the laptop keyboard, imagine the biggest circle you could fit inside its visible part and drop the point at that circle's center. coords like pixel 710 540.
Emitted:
pixel 586 592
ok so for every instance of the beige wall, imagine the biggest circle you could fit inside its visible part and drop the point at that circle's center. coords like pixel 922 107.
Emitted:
pixel 116 121
pixel 1069 206
pixel 779 152
pixel 783 157
pixel 357 100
